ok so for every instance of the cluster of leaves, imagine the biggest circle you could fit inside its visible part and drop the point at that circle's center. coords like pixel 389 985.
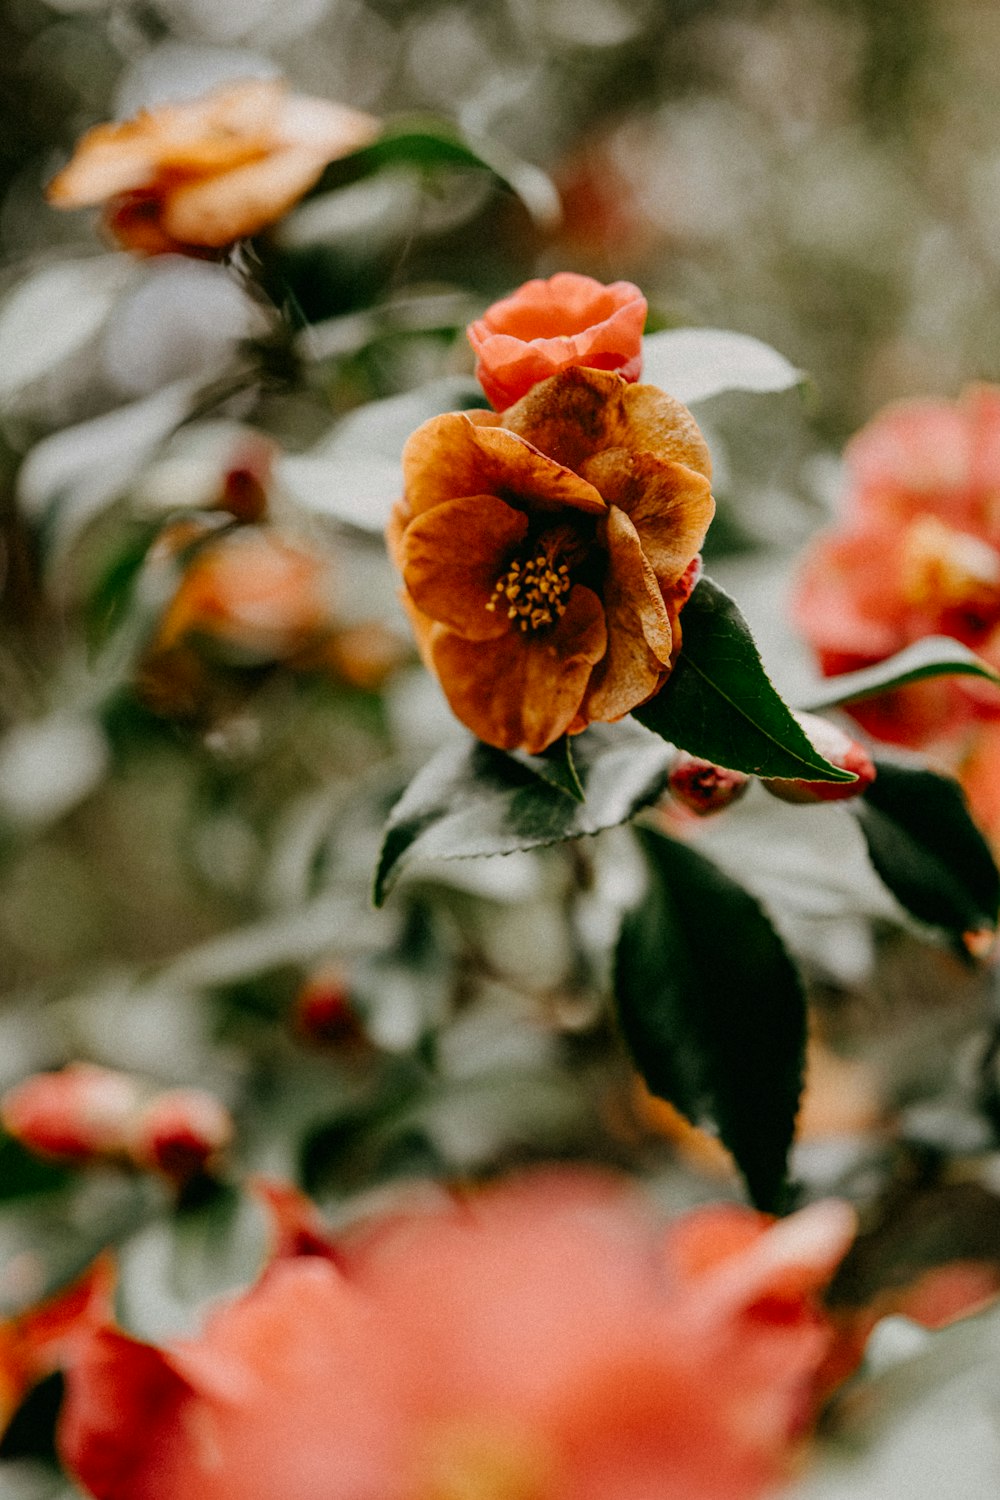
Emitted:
pixel 710 1002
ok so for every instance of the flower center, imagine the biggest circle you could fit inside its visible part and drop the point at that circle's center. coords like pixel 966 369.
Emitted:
pixel 949 569
pixel 533 589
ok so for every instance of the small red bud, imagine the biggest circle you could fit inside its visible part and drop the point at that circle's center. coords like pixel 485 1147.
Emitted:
pixel 80 1113
pixel 181 1133
pixel 704 788
pixel 324 1011
pixel 841 751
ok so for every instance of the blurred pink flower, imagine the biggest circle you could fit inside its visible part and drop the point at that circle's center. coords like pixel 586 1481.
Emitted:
pixel 916 553
pixel 536 1340
pixel 547 326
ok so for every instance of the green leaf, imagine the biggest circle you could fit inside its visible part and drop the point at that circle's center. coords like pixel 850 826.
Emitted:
pixel 934 656
pixel 719 702
pixel 429 144
pixel 557 766
pixel 695 363
pixel 713 1009
pixel 926 848
pixel 473 800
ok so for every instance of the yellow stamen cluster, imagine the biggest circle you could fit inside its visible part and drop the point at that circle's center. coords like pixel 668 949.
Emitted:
pixel 533 591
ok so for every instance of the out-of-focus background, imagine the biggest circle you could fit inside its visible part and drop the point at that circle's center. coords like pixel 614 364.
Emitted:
pixel 821 173
pixel 187 835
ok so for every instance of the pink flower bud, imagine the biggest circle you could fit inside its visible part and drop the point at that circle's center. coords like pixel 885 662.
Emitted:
pixel 704 788
pixel 76 1114
pixel 181 1133
pixel 841 751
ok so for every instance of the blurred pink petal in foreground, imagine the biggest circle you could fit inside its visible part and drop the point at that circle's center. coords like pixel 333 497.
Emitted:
pixel 541 1339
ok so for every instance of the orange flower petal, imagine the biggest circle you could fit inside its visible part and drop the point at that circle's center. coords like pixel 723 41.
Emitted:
pixel 581 412
pixel 669 505
pixel 228 205
pixel 452 455
pixel 546 326
pixel 523 691
pixel 452 557
pixel 640 631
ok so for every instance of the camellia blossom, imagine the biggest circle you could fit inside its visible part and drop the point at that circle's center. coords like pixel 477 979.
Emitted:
pixel 547 553
pixel 198 175
pixel 536 1340
pixel 917 553
pixel 547 326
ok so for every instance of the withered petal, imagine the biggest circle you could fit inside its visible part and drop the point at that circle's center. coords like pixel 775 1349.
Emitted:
pixel 580 412
pixel 453 555
pixel 218 209
pixel 522 691
pixel 452 455
pixel 669 505
pixel 640 628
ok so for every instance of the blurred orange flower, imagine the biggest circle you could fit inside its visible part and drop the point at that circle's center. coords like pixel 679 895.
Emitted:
pixel 537 1340
pixel 252 592
pixel 917 553
pixel 547 326
pixel 547 553
pixel 198 175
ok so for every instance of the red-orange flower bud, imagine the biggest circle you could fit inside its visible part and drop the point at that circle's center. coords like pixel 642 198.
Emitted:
pixel 841 751
pixel 704 788
pixel 546 326
pixel 80 1113
pixel 181 1133
pixel 324 1011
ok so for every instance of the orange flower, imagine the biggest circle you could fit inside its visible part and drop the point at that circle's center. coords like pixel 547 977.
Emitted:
pixel 547 326
pixel 537 1340
pixel 251 592
pixel 198 175
pixel 918 553
pixel 547 553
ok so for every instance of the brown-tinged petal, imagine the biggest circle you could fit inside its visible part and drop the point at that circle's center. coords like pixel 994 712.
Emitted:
pixel 640 631
pixel 452 557
pixel 451 456
pixel 669 505
pixel 109 160
pixel 219 209
pixel 580 412
pixel 522 691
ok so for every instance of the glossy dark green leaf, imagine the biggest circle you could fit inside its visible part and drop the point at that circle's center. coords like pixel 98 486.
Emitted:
pixel 720 704
pixel 474 800
pixel 713 1010
pixel 925 846
pixel 428 144
pixel 934 656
